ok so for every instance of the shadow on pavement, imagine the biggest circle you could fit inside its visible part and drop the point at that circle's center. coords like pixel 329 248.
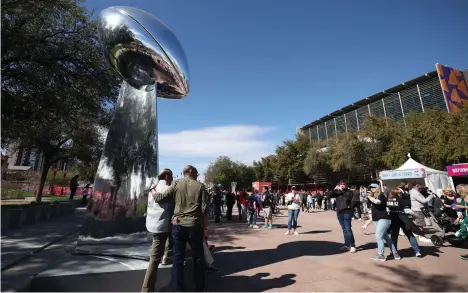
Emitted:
pixel 227 232
pixel 230 262
pixel 284 226
pixel 406 252
pixel 316 232
pixel 221 248
pixel 256 283
pixel 405 280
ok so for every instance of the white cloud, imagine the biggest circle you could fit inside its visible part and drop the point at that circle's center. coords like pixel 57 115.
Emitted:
pixel 198 147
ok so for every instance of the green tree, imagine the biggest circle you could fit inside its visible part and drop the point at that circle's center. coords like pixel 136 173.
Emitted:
pixel 224 171
pixel 246 176
pixel 266 168
pixel 318 161
pixel 290 159
pixel 438 138
pixel 56 88
pixel 386 145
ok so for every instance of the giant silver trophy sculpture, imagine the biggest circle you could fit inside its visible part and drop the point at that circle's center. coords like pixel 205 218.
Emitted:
pixel 151 62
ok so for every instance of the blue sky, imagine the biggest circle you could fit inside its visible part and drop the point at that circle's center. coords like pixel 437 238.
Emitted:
pixel 261 68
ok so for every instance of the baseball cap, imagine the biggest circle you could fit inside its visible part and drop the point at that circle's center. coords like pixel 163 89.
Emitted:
pixel 294 187
pixel 373 185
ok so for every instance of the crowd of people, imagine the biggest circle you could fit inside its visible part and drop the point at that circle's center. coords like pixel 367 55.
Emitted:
pixel 402 211
pixel 178 213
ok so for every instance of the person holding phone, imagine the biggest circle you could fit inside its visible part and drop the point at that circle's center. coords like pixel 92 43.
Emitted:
pixel 344 213
pixel 293 201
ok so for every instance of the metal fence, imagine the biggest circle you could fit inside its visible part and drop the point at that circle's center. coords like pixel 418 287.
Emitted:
pixel 418 98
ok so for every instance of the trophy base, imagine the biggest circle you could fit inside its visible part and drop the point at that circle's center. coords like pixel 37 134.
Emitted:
pixel 90 273
pixel 94 227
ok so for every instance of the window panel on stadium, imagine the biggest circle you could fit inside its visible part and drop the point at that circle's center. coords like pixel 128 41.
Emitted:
pixel 363 114
pixel 377 109
pixel 322 132
pixel 410 100
pixel 432 94
pixel 313 133
pixel 340 124
pixel 351 121
pixel 331 128
pixel 393 107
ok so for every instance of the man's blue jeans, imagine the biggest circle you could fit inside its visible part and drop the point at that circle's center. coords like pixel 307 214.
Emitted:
pixel 181 236
pixel 292 219
pixel 381 235
pixel 345 223
pixel 252 217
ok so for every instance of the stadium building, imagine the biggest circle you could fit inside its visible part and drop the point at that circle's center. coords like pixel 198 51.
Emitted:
pixel 444 88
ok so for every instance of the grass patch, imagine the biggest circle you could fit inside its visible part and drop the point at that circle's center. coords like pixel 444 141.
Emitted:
pixel 60 198
pixel 16 193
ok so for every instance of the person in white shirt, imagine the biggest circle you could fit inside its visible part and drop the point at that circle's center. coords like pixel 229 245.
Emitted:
pixel 418 201
pixel 158 222
pixel 293 200
pixel 309 202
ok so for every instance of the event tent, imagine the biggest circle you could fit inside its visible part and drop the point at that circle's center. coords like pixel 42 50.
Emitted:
pixel 434 179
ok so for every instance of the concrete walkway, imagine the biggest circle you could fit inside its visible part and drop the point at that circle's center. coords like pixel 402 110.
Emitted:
pixel 20 243
pixel 259 260
pixel 30 250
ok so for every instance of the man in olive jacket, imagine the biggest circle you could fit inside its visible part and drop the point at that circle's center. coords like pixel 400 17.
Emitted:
pixel 190 199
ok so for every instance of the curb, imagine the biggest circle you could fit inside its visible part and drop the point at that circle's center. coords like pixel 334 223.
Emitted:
pixel 37 250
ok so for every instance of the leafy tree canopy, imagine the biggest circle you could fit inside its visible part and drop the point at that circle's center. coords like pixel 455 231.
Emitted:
pixel 224 171
pixel 56 87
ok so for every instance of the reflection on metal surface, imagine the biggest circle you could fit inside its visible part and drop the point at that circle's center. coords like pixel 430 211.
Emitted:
pixel 143 51
pixel 149 58
pixel 129 160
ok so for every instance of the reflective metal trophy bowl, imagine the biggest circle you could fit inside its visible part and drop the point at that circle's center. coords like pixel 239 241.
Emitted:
pixel 113 247
pixel 151 62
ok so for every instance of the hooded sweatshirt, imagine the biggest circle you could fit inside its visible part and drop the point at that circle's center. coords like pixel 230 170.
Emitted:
pixel 159 214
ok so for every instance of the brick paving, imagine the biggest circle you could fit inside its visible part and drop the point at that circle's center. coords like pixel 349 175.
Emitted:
pixel 267 260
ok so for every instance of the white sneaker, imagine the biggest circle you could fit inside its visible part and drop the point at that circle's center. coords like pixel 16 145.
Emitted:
pixel 255 226
pixel 296 233
pixel 352 250
pixel 250 226
pixel 287 233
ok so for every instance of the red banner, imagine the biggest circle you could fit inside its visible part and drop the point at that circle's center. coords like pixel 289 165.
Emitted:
pixel 259 185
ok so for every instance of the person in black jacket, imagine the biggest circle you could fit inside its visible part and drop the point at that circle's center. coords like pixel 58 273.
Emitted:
pixel 382 222
pixel 230 200
pixel 402 221
pixel 344 213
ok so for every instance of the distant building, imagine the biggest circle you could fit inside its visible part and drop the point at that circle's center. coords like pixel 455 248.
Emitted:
pixel 445 88
pixel 27 159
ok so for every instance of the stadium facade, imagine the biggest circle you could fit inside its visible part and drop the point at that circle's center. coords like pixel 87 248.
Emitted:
pixel 444 88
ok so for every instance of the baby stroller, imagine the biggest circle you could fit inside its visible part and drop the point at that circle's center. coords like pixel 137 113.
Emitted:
pixel 441 224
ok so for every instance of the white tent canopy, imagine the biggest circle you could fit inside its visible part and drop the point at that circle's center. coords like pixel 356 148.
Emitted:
pixel 434 179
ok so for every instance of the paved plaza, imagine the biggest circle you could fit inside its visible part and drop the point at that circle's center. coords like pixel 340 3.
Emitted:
pixel 255 260
pixel 268 260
